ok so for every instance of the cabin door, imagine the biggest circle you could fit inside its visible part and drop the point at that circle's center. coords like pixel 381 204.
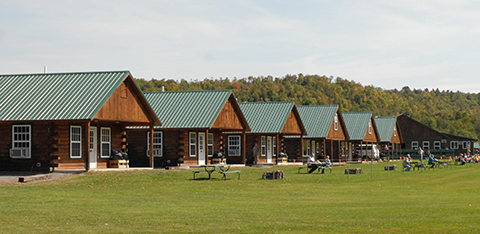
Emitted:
pixel 201 148
pixel 93 148
pixel 269 149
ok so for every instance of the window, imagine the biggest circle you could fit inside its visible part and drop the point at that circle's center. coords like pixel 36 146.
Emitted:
pixel 453 144
pixel 210 145
pixel 274 146
pixel 234 145
pixel 75 142
pixel 394 131
pixel 21 141
pixel 318 147
pixel 263 146
pixel 335 122
pixel 105 144
pixel 465 144
pixel 436 145
pixel 414 144
pixel 306 148
pixel 193 144
pixel 157 144
pixel 426 145
pixel 370 127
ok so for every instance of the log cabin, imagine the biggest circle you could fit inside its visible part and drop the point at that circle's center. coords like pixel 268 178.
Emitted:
pixel 270 123
pixel 416 134
pixel 390 136
pixel 192 130
pixel 363 134
pixel 326 133
pixel 69 120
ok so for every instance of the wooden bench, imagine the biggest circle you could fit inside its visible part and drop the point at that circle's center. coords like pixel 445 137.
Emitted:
pixel 305 167
pixel 323 168
pixel 229 172
pixel 208 171
pixel 420 166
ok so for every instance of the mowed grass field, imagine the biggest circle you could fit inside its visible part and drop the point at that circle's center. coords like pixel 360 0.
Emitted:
pixel 444 200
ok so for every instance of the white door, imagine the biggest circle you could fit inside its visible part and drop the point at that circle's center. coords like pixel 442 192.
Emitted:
pixel 93 148
pixel 269 149
pixel 201 148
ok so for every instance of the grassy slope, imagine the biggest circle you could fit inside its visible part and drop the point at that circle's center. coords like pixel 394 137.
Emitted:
pixel 433 201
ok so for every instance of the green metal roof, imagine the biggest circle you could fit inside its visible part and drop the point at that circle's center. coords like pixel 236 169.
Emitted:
pixel 385 127
pixel 188 109
pixel 56 96
pixel 266 117
pixel 317 119
pixel 357 124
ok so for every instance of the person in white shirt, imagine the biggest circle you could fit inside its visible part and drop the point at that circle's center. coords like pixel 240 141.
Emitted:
pixel 311 163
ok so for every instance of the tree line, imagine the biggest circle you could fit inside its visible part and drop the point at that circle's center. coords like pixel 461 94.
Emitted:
pixel 445 111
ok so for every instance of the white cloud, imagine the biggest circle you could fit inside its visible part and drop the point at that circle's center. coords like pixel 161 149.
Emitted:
pixel 388 44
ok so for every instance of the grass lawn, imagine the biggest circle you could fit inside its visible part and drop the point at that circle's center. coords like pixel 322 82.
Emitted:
pixel 443 200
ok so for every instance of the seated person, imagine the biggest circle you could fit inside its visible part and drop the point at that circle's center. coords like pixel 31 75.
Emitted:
pixel 310 163
pixel 461 160
pixel 432 160
pixel 406 162
pixel 327 163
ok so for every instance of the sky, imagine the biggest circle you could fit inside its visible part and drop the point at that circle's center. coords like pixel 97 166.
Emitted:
pixel 388 44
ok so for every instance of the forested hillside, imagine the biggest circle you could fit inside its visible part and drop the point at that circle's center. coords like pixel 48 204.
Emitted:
pixel 445 111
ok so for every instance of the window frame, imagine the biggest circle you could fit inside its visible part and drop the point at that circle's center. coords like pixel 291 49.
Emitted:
pixel 210 145
pixel 335 122
pixel 437 145
pixel 238 146
pixel 29 141
pixel 414 145
pixel 75 142
pixel 425 145
pixel 453 144
pixel 274 146
pixel 306 148
pixel 263 146
pixel 103 142
pixel 192 142
pixel 157 147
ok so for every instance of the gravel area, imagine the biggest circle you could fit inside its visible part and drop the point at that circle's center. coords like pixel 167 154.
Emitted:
pixel 11 177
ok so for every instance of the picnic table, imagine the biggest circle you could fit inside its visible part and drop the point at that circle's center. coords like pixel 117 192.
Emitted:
pixel 321 166
pixel 223 169
pixel 444 163
pixel 418 165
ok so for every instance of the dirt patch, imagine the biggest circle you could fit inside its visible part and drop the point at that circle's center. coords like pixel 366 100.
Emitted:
pixel 12 178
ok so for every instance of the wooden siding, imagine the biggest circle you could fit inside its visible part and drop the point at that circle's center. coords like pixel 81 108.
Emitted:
pixel 412 130
pixel 415 131
pixel 292 125
pixel 293 148
pixel 396 139
pixel 175 147
pixel 228 118
pixel 336 135
pixel 371 137
pixel 124 108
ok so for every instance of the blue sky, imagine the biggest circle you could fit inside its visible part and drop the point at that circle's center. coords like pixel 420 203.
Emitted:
pixel 387 44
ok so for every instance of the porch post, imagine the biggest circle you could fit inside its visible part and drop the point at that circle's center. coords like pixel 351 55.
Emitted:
pixel 277 148
pixel 301 148
pixel 151 146
pixel 244 146
pixel 206 146
pixel 87 146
